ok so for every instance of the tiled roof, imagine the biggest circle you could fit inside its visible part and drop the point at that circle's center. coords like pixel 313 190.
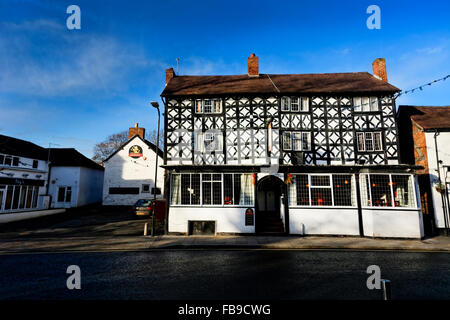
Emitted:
pixel 69 157
pixel 21 148
pixel 428 117
pixel 354 82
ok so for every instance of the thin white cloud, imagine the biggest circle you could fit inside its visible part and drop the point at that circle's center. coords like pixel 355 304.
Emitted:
pixel 67 63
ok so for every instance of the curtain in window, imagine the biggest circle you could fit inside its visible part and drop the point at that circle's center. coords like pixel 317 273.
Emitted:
pixel 246 190
pixel 175 199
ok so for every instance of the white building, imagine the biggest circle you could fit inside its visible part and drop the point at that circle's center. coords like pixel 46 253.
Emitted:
pixel 23 176
pixel 310 154
pixel 425 141
pixel 130 171
pixel 75 180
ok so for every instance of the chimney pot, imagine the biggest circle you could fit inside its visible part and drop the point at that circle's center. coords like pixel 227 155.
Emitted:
pixel 170 73
pixel 253 66
pixel 379 69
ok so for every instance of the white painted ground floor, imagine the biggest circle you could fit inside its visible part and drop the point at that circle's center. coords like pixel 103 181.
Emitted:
pixel 371 202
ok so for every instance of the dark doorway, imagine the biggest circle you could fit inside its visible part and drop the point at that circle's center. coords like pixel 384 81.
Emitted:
pixel 270 191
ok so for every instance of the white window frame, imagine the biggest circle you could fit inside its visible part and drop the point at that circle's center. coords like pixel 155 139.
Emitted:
pixel 392 207
pixel 301 136
pixel 222 205
pixel 294 104
pixel 310 186
pixel 203 137
pixel 372 138
pixel 200 106
pixel 366 104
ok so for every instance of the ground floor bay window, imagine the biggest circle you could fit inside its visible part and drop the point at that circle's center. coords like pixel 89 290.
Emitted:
pixel 18 197
pixel 322 190
pixel 387 190
pixel 212 189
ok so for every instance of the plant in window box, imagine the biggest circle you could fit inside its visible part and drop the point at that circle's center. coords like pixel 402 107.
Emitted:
pixel 439 187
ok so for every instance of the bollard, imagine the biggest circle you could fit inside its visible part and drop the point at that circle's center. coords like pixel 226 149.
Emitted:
pixel 145 229
pixel 386 289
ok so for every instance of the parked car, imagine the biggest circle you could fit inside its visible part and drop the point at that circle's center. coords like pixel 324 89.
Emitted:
pixel 143 207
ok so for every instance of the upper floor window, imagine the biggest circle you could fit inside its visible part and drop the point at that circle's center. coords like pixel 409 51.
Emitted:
pixel 294 104
pixel 296 141
pixel 208 141
pixel 364 104
pixel 369 141
pixel 35 164
pixel 208 106
pixel 9 160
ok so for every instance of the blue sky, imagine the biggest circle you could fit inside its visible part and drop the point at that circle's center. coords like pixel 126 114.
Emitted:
pixel 75 87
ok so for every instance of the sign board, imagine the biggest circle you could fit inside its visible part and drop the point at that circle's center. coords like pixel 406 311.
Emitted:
pixel 135 152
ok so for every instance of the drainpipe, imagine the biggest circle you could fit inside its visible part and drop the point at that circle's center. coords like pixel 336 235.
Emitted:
pixel 444 209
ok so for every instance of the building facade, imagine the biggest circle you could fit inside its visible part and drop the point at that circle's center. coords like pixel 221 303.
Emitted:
pixel 130 171
pixel 425 137
pixel 75 181
pixel 23 176
pixel 295 153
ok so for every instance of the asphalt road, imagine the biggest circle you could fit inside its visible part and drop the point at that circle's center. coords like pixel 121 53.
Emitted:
pixel 225 274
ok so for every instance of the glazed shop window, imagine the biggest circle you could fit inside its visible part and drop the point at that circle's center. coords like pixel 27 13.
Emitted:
pixel 322 190
pixel 386 190
pixel 212 189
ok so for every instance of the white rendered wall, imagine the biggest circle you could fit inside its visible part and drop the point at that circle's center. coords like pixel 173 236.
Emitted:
pixel 318 221
pixel 64 177
pixel 443 142
pixel 393 223
pixel 123 171
pixel 230 220
pixel 90 187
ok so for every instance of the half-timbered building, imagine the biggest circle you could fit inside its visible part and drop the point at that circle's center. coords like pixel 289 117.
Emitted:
pixel 287 153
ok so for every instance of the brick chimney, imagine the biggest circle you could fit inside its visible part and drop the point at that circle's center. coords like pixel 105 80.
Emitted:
pixel 136 131
pixel 169 75
pixel 379 69
pixel 253 66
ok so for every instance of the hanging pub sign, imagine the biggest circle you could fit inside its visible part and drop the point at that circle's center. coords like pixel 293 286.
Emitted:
pixel 135 152
pixel 249 217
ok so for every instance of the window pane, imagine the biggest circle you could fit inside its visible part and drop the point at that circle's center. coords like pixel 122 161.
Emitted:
pixel 175 192
pixel 207 106
pixel 380 190
pixel 368 141
pixel 377 141
pixel 23 194
pixel 247 193
pixel 15 162
pixel 199 106
pixel 9 196
pixel 185 189
pixel 306 140
pixel 35 164
pixel 297 141
pixel 373 104
pixel 217 192
pixel 228 189
pixel 29 197
pixel 61 194
pixel 342 190
pixel 206 192
pixel 287 143
pixel 365 104
pixel 365 190
pixel 301 182
pixel 285 104
pixel 2 159
pixel 195 189
pixel 357 103
pixel 403 191
pixel 15 204
pixel 8 161
pixel 295 104
pixel 361 144
pixel 35 196
pixel 237 188
pixel 217 106
pixel 321 197
pixel 320 181
pixel 305 104
pixel 69 194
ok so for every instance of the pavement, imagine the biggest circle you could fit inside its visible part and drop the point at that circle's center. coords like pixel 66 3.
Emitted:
pixel 104 230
